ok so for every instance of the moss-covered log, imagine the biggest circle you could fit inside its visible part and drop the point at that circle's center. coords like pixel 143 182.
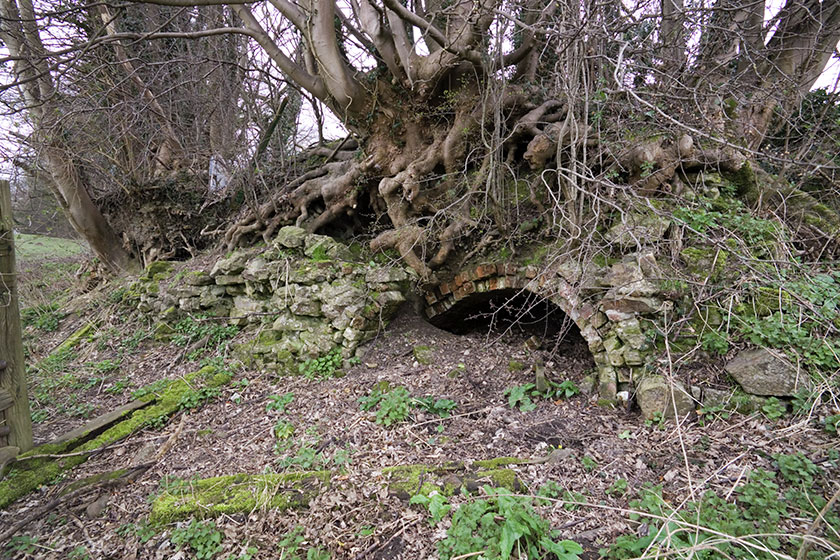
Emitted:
pixel 26 474
pixel 238 493
pixel 243 493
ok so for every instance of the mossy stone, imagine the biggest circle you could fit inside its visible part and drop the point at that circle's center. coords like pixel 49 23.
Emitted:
pixel 239 493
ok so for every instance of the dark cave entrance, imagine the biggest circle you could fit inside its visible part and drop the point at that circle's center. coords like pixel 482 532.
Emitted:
pixel 513 313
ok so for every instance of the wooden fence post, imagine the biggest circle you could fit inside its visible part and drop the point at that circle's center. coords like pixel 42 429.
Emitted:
pixel 15 420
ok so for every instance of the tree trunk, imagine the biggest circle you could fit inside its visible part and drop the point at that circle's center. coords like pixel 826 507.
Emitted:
pixel 16 416
pixel 83 214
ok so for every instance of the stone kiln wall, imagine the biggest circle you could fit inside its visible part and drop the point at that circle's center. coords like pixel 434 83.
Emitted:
pixel 608 306
pixel 305 294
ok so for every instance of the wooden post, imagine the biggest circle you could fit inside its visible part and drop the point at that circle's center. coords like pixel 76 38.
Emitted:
pixel 15 420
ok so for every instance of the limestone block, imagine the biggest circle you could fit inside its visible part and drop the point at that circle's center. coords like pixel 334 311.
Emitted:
pixel 386 275
pixel 607 382
pixel 229 266
pixel 598 320
pixel 630 332
pixel 228 280
pixel 627 279
pixel 287 322
pixel 316 343
pixel 325 245
pixel 630 304
pixel 245 304
pixel 656 395
pixel 311 273
pixel 210 295
pixel 762 372
pixel 198 278
pixel 336 297
pixel 189 304
pixel 290 237
pixel 304 302
pixel 185 291
pixel 616 316
pixel 257 269
pixel 633 357
pixel 390 300
pixel 638 229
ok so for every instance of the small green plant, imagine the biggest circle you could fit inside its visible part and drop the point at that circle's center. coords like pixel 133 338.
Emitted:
pixel 153 388
pixel 284 429
pixel 319 254
pixel 204 539
pixel 393 407
pixel 519 397
pixel 436 503
pixel 104 366
pixel 193 329
pixel 658 421
pixel 78 553
pixel 341 458
pixel 832 423
pixel 42 317
pixel 714 343
pixel 588 463
pixel 279 402
pixel 39 415
pixel 439 407
pixel 325 367
pixel 196 397
pixel 797 469
pixel 774 408
pixel 118 387
pixel 291 547
pixel 618 487
pixel 23 544
pixel 290 544
pixel 306 458
pixel 56 362
pixel 157 422
pixel 499 525
pixel 566 389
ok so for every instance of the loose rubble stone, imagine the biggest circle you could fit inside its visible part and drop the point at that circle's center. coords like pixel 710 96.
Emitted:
pixel 762 372
pixel 656 395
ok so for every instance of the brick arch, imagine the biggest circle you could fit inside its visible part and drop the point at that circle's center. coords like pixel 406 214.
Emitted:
pixel 486 278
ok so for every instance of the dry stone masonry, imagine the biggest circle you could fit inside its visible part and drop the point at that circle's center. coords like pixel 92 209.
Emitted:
pixel 304 296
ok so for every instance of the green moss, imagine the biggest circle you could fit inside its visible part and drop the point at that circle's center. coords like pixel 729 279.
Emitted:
pixel 504 478
pixel 408 480
pixel 746 183
pixel 158 268
pixel 25 476
pixel 423 355
pixel 239 493
pixel 699 261
pixel 95 479
pixel 74 339
pixel 491 464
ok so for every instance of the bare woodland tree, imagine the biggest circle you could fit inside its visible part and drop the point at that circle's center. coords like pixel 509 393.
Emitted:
pixel 448 98
pixel 115 125
pixel 446 95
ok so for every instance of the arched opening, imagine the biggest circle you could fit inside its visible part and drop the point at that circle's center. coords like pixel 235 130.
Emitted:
pixel 513 312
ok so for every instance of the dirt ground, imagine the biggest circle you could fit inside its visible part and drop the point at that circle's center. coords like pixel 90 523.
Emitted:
pixel 581 446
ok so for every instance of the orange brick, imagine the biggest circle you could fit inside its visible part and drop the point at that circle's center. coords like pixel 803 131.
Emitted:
pixel 484 270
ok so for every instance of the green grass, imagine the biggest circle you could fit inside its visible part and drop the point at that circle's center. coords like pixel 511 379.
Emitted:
pixel 33 247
